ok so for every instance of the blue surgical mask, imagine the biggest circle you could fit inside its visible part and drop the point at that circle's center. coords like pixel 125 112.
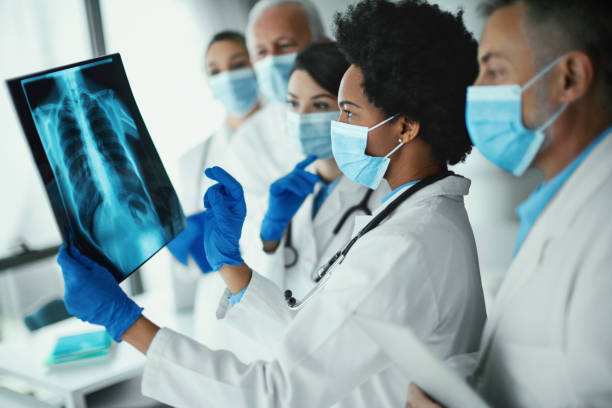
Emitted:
pixel 273 75
pixel 235 89
pixel 311 132
pixel 349 145
pixel 494 122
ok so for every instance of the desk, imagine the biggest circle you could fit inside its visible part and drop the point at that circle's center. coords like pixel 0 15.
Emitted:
pixel 24 359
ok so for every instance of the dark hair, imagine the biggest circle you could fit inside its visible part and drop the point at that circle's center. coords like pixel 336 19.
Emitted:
pixel 230 35
pixel 417 61
pixel 560 26
pixel 324 63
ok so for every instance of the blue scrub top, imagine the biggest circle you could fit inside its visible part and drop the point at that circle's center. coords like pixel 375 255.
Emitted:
pixel 530 209
pixel 391 194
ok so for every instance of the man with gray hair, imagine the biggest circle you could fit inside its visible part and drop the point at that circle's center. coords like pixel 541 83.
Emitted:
pixel 261 150
pixel 543 99
pixel 276 30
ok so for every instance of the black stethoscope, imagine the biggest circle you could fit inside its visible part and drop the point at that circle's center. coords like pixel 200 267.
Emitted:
pixel 291 254
pixel 321 275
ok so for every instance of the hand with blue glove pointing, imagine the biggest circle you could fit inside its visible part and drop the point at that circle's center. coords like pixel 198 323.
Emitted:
pixel 225 214
pixel 93 295
pixel 191 242
pixel 286 196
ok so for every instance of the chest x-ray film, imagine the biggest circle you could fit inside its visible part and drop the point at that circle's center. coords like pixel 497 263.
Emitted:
pixel 108 189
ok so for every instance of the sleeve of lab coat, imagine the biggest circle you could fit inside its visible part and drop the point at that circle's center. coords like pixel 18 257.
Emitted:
pixel 324 354
pixel 262 313
pixel 589 333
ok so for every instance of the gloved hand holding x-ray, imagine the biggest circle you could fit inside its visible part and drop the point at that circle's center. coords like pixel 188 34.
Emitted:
pixel 107 186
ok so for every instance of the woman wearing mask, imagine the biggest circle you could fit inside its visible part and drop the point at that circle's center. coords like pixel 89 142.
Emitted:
pixel 232 82
pixel 310 214
pixel 413 263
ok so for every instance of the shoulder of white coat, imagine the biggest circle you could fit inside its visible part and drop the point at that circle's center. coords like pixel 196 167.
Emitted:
pixel 259 128
pixel 438 209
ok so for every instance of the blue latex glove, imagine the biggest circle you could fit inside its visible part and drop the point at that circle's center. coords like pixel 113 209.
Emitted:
pixel 93 295
pixel 286 196
pixel 191 242
pixel 225 213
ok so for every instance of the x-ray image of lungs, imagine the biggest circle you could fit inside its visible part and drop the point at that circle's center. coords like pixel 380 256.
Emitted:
pixel 95 151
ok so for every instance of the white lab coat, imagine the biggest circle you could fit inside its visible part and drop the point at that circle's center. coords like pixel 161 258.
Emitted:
pixel 192 183
pixel 548 341
pixel 190 187
pixel 315 242
pixel 418 268
pixel 256 154
pixel 262 152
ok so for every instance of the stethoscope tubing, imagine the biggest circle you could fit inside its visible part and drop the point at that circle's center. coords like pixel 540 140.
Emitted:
pixel 289 248
pixel 322 274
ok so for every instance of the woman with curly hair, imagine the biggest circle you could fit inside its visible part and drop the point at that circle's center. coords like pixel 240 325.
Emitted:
pixel 413 263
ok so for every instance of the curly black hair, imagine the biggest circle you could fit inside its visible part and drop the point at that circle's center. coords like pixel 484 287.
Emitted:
pixel 417 61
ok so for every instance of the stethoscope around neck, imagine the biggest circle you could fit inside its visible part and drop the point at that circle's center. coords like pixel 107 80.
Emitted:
pixel 322 274
pixel 291 254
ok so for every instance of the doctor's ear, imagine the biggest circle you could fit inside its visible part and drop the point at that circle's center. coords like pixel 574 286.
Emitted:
pixel 576 77
pixel 409 129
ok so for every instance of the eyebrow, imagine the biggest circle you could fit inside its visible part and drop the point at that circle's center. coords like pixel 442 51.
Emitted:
pixel 330 96
pixel 240 54
pixel 489 55
pixel 281 38
pixel 348 103
pixel 292 95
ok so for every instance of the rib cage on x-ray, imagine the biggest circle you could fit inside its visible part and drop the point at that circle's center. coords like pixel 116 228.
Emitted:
pixel 85 131
pixel 86 193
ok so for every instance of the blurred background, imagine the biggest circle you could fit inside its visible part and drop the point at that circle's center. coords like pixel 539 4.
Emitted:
pixel 162 45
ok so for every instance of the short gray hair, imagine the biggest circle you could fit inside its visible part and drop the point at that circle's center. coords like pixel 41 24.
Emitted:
pixel 317 31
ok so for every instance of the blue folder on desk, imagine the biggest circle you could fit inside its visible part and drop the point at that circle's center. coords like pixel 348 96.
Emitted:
pixel 80 347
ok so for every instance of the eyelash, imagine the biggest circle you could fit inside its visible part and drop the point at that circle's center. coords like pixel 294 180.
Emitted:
pixel 321 105
pixel 293 104
pixel 237 65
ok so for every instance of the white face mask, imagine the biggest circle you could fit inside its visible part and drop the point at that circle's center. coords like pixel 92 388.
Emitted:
pixel 349 145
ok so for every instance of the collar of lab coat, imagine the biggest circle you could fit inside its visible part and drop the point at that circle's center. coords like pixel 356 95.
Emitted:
pixel 349 194
pixel 555 221
pixel 455 186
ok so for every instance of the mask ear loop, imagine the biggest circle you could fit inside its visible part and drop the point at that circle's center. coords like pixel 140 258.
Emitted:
pixel 540 74
pixel 383 122
pixel 395 149
pixel 399 140
pixel 532 81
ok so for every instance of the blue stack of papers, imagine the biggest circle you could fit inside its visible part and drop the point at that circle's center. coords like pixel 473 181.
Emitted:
pixel 80 347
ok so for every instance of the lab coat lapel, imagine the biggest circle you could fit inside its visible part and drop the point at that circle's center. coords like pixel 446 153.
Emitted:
pixel 344 195
pixel 553 222
pixel 304 237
